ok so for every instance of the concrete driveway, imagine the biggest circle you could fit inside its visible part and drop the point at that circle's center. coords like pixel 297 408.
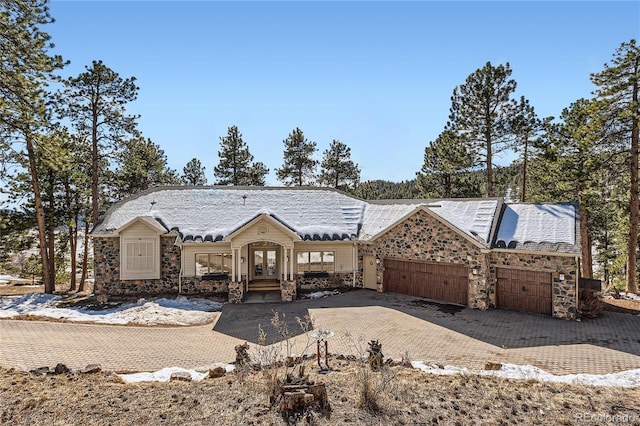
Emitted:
pixel 404 325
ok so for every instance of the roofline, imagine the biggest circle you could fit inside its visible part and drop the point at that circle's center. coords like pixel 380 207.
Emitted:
pixel 539 252
pixel 271 218
pixel 160 188
pixel 427 200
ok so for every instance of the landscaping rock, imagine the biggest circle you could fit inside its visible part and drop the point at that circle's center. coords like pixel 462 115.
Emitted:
pixel 61 369
pixel 181 376
pixel 91 369
pixel 494 366
pixel 214 373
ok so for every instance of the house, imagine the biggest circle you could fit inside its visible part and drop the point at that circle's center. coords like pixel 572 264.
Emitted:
pixel 480 253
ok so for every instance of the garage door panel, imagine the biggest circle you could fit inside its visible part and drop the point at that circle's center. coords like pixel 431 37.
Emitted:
pixel 444 282
pixel 524 290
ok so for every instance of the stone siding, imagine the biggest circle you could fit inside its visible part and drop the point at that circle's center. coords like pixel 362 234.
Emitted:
pixel 333 281
pixel 422 237
pixel 564 297
pixel 107 269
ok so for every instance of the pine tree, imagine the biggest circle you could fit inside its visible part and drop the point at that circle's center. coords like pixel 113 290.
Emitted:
pixel 445 173
pixel 257 174
pixel 569 166
pixel 235 166
pixel 143 165
pixel 526 127
pixel 298 168
pixel 481 110
pixel 618 86
pixel 25 71
pixel 96 102
pixel 337 170
pixel 194 173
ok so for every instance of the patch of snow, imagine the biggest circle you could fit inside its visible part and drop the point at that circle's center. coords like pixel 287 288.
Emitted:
pixel 321 294
pixel 164 375
pixel 626 379
pixel 180 311
pixel 629 296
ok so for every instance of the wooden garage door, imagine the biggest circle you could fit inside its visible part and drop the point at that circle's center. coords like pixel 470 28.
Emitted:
pixel 524 290
pixel 438 281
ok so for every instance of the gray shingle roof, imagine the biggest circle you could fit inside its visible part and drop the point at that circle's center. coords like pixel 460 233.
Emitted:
pixel 212 213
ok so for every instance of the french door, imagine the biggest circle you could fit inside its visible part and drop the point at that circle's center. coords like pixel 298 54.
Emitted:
pixel 265 264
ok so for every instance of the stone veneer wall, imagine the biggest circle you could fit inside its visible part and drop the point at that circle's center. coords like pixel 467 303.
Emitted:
pixel 333 281
pixel 196 285
pixel 564 298
pixel 107 272
pixel 424 238
pixel 107 269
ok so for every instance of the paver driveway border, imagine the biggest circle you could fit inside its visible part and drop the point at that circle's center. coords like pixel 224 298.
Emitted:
pixel 404 325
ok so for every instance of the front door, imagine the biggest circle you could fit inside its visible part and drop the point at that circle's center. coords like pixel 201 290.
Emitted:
pixel 265 264
pixel 370 272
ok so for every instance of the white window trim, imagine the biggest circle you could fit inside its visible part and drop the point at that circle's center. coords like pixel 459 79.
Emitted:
pixel 216 253
pixel 297 267
pixel 153 273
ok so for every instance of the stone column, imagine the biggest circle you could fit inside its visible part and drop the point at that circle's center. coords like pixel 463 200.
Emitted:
pixel 236 292
pixel 287 291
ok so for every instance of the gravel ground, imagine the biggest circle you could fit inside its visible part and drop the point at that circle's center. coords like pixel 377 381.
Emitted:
pixel 399 396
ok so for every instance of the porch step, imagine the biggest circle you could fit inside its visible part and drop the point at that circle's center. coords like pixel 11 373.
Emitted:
pixel 264 286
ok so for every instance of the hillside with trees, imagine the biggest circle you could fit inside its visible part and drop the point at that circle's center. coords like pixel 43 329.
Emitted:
pixel 69 148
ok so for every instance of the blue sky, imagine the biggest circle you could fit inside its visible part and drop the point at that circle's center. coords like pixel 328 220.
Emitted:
pixel 376 75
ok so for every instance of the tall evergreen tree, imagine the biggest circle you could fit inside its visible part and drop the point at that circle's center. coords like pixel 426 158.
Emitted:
pixel 193 173
pixel 445 172
pixel 298 168
pixel 96 104
pixel 526 127
pixel 569 166
pixel 236 165
pixel 143 165
pixel 337 169
pixel 618 86
pixel 26 67
pixel 481 110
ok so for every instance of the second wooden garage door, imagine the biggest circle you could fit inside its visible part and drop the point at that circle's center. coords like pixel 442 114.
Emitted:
pixel 438 281
pixel 524 290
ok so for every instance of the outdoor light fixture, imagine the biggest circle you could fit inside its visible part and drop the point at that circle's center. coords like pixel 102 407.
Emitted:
pixel 377 260
pixel 561 277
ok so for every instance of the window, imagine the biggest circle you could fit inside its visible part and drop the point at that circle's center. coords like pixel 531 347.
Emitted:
pixel 213 263
pixel 139 258
pixel 315 261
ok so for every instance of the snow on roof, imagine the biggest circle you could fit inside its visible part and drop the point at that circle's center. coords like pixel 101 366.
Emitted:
pixel 475 217
pixel 538 226
pixel 378 217
pixel 211 213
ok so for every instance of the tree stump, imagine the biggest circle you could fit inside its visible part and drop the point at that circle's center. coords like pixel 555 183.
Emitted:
pixel 242 355
pixel 300 394
pixel 376 358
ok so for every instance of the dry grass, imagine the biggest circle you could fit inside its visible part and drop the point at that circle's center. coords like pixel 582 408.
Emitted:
pixel 19 289
pixel 622 306
pixel 412 398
